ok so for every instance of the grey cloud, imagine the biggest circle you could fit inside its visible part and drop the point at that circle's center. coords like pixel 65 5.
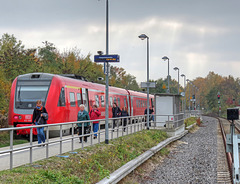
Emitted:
pixel 70 23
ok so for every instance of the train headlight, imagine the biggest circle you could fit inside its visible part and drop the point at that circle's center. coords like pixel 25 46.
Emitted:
pixel 15 117
pixel 20 117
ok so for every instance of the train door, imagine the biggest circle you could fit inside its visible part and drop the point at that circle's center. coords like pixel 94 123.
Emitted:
pixel 132 106
pixel 129 110
pixel 85 98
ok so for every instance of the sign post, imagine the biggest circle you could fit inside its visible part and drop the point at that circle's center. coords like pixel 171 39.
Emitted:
pixel 106 59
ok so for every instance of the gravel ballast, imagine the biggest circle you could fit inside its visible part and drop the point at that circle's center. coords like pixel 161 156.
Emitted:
pixel 193 161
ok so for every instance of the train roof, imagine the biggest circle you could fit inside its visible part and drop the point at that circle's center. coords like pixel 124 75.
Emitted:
pixel 36 76
pixel 136 93
pixel 70 79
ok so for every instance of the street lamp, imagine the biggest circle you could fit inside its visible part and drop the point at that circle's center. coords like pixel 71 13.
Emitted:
pixel 189 106
pixel 142 37
pixel 196 98
pixel 193 99
pixel 184 91
pixel 176 68
pixel 107 80
pixel 164 59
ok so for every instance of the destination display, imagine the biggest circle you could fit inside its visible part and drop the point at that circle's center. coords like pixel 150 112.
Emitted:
pixel 107 58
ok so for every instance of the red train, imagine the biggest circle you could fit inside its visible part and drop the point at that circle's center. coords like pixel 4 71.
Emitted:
pixel 62 96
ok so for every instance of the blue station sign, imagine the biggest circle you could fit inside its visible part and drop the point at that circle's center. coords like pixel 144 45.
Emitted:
pixel 107 58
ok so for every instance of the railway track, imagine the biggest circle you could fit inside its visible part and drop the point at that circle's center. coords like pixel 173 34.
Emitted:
pixel 224 128
pixel 201 159
pixel 224 160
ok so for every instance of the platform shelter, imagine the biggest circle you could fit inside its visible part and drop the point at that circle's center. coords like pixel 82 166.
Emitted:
pixel 168 114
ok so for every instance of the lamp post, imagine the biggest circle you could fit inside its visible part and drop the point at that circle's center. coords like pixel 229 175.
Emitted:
pixel 193 91
pixel 189 106
pixel 166 58
pixel 176 68
pixel 184 91
pixel 196 98
pixel 107 85
pixel 142 37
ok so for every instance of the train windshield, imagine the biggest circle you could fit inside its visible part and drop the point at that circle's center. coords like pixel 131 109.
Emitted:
pixel 26 96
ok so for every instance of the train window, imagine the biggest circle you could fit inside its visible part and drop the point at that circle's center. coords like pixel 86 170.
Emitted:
pixel 141 103
pixel 61 100
pixel 96 100
pixel 72 99
pixel 79 99
pixel 137 102
pixel 102 101
pixel 111 102
pixel 27 95
pixel 115 100
pixel 119 102
pixel 125 102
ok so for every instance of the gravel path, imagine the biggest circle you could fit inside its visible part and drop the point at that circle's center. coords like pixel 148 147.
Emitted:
pixel 193 161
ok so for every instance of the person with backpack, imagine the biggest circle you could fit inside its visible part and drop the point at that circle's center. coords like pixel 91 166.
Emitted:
pixel 94 114
pixel 124 113
pixel 116 112
pixel 40 117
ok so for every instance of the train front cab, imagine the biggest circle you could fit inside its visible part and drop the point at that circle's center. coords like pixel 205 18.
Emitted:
pixel 26 90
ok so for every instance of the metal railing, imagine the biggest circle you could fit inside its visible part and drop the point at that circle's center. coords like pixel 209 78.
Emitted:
pixel 193 113
pixel 170 121
pixel 133 124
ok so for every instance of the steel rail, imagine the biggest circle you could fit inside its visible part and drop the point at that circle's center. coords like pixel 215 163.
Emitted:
pixel 228 155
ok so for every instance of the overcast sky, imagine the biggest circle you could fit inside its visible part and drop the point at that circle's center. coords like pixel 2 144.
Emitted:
pixel 197 36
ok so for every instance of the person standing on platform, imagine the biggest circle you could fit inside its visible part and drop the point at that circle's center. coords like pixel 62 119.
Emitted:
pixel 116 112
pixel 38 119
pixel 94 114
pixel 124 113
pixel 83 127
pixel 150 114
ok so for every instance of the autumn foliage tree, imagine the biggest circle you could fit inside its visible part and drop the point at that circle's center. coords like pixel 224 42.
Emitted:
pixel 15 60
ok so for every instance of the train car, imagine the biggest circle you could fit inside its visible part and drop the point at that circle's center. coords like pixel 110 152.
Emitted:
pixel 62 96
pixel 139 102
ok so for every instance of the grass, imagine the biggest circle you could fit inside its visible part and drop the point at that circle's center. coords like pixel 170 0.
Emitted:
pixel 143 171
pixel 5 140
pixel 190 121
pixel 89 165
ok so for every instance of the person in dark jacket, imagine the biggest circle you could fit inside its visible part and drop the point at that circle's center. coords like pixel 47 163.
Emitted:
pixel 38 119
pixel 83 116
pixel 150 114
pixel 124 113
pixel 94 114
pixel 116 112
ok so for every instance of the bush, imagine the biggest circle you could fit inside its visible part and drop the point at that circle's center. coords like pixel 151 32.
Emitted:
pixel 3 121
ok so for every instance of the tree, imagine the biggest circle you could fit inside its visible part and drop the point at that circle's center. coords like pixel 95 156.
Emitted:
pixel 129 82
pixel 49 60
pixel 14 59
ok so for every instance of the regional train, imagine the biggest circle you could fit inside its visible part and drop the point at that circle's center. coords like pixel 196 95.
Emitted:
pixel 62 95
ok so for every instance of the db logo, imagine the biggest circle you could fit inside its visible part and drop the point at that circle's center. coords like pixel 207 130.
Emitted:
pixel 28 117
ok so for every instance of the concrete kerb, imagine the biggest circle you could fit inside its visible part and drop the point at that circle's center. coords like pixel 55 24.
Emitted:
pixel 190 126
pixel 123 171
